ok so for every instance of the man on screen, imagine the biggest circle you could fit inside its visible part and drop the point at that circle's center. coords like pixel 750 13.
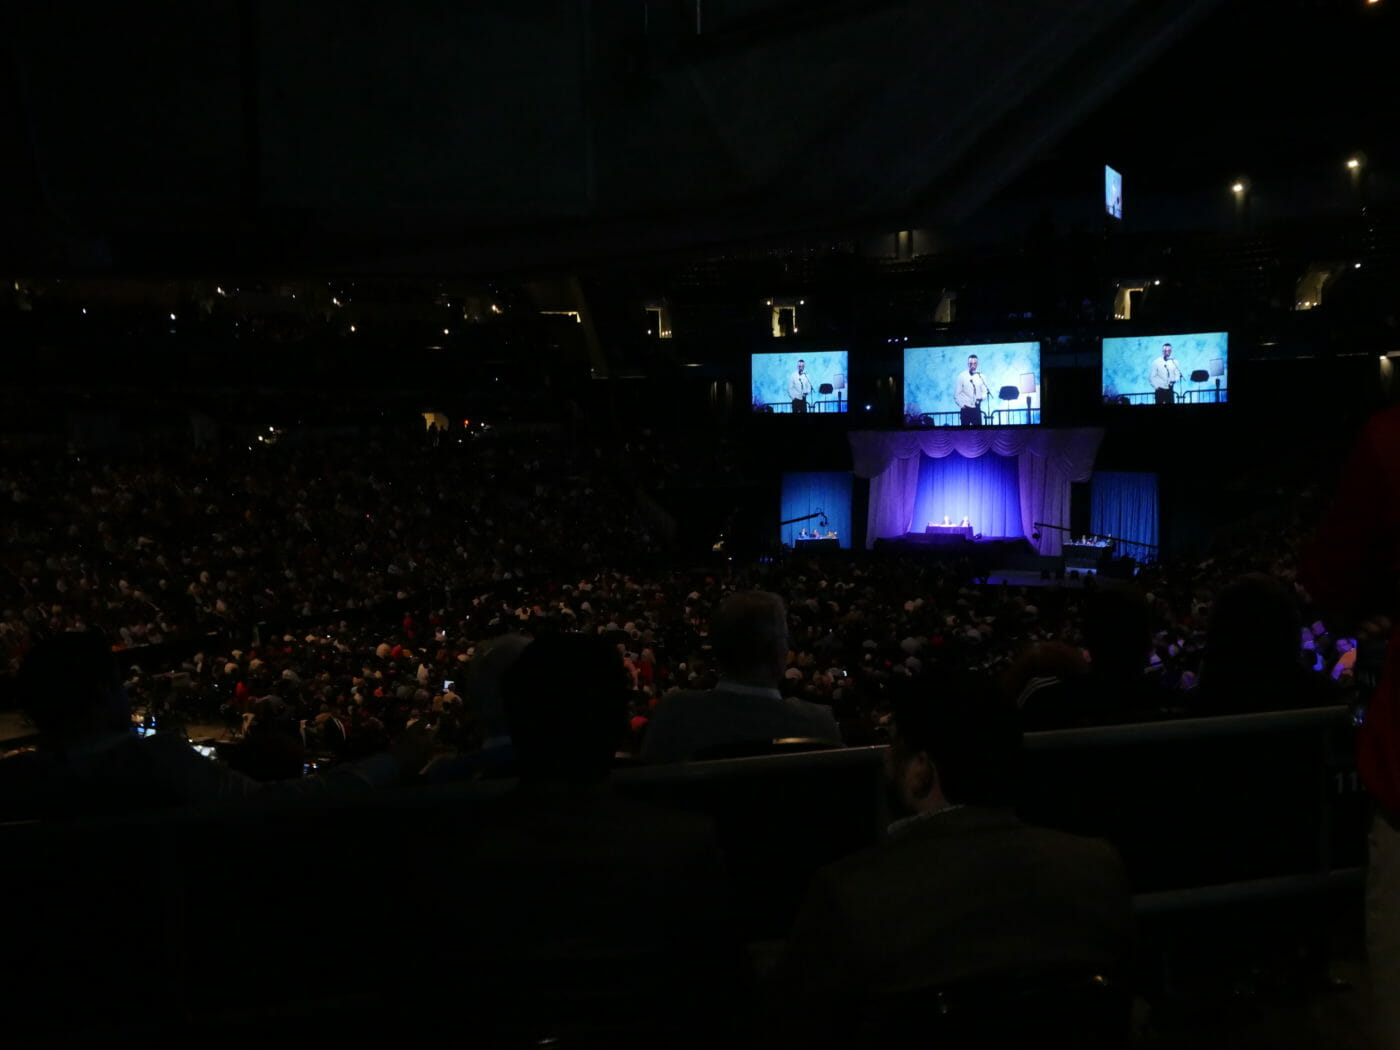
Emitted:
pixel 971 388
pixel 1164 375
pixel 799 386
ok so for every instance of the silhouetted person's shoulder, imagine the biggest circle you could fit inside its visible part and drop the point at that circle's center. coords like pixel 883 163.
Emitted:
pixel 688 722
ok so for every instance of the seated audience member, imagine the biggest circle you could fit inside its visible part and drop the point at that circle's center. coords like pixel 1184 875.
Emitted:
pixel 90 763
pixel 1063 691
pixel 584 912
pixel 1253 656
pixel 960 889
pixel 495 756
pixel 749 633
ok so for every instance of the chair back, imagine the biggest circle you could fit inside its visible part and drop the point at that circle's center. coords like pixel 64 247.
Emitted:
pixel 1075 1007
pixel 754 748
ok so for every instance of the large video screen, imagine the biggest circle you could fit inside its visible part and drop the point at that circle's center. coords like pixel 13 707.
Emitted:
pixel 1188 369
pixel 809 381
pixel 1112 192
pixel 972 386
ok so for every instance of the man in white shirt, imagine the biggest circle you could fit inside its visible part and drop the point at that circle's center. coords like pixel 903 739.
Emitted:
pixel 799 386
pixel 1164 375
pixel 971 388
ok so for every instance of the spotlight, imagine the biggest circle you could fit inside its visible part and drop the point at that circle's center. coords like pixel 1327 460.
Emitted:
pixel 1238 187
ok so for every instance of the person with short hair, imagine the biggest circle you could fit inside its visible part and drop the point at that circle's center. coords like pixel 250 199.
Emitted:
pixel 585 914
pixel 799 387
pixel 968 392
pixel 749 632
pixel 1164 375
pixel 959 889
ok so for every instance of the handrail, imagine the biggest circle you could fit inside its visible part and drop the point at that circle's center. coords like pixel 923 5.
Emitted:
pixel 1169 902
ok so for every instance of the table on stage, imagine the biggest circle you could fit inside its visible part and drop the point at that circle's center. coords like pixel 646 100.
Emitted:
pixel 821 543
pixel 963 531
pixel 1087 554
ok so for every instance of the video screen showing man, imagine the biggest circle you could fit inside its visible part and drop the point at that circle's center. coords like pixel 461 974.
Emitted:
pixel 1113 192
pixel 979 385
pixel 968 393
pixel 799 387
pixel 1164 375
pixel 1178 368
pixel 800 384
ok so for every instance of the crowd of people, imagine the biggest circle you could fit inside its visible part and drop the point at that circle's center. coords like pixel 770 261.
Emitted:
pixel 512 605
pixel 344 590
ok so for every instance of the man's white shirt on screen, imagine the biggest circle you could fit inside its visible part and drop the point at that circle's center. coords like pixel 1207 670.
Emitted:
pixel 970 389
pixel 1163 374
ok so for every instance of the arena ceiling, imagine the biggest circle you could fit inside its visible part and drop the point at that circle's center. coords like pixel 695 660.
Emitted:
pixel 442 137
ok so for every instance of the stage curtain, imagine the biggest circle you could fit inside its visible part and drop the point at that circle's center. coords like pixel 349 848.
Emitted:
pixel 808 492
pixel 985 490
pixel 1047 462
pixel 1125 507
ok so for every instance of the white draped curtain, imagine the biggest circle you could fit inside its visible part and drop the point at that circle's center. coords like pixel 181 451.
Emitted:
pixel 1047 461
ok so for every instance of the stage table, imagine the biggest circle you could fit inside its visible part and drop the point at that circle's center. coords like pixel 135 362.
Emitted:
pixel 1091 555
pixel 963 531
pixel 822 543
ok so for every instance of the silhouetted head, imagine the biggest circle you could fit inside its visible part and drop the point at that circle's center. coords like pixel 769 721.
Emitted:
pixel 749 632
pixel 566 705
pixel 956 740
pixel 1117 632
pixel 70 688
pixel 1253 632
pixel 482 691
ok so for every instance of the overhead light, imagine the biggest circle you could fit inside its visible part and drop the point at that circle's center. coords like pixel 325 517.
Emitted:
pixel 172 317
pixel 1353 163
pixel 446 332
pixel 352 328
pixel 1238 187
pixel 1156 282
pixel 1354 266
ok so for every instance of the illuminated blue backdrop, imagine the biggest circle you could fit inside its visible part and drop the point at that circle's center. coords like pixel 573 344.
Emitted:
pixel 930 374
pixel 772 371
pixel 1125 506
pixel 808 492
pixel 1126 362
pixel 985 490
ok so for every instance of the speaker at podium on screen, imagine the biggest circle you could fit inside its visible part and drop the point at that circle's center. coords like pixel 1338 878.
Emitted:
pixel 1028 388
